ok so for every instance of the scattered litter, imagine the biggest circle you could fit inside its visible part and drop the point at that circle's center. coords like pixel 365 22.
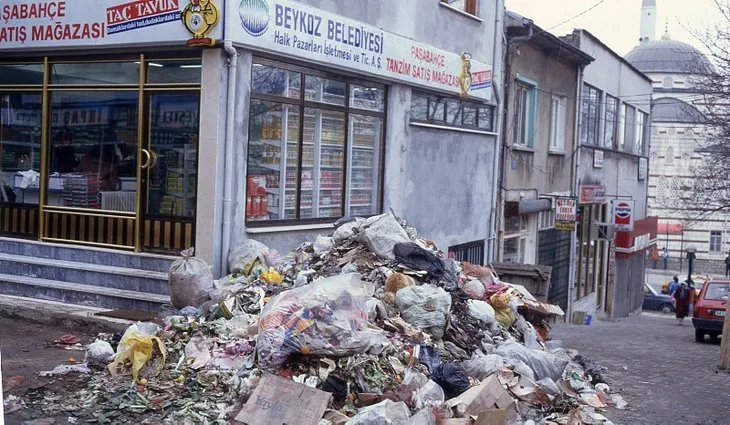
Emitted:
pixel 64 369
pixel 68 339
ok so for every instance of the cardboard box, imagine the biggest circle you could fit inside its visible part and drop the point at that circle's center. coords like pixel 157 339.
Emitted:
pixel 280 401
pixel 488 401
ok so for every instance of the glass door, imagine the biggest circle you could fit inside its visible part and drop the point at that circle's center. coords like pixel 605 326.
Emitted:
pixel 168 167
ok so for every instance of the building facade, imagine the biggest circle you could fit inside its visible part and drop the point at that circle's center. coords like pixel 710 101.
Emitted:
pixel 678 136
pixel 145 128
pixel 612 167
pixel 542 80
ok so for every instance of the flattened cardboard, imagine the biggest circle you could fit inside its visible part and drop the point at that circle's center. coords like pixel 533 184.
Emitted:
pixel 486 396
pixel 279 401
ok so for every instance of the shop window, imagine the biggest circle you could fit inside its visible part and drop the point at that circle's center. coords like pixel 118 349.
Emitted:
pixel 590 115
pixel 25 74
pixel 174 71
pixel 314 158
pixel 611 123
pixel 524 115
pixel 558 115
pixel 20 146
pixel 95 73
pixel 468 6
pixel 450 112
pixel 715 241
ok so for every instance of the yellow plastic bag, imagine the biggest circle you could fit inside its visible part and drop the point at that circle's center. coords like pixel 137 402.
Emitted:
pixel 137 347
pixel 505 317
pixel 272 276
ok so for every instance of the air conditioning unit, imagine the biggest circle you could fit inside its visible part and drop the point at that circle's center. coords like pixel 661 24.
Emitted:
pixel 602 231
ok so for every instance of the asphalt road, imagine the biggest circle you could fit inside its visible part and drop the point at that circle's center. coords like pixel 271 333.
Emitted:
pixel 664 375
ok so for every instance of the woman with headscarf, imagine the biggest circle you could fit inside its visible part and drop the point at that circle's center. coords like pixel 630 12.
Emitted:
pixel 682 297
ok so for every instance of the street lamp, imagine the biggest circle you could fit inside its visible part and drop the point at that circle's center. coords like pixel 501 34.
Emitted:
pixel 691 261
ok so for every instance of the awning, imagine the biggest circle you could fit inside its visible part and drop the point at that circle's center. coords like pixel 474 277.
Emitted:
pixel 532 206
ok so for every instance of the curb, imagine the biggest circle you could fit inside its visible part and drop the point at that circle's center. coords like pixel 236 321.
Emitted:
pixel 68 316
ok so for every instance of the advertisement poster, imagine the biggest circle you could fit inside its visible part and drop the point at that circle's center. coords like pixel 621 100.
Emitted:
pixel 294 29
pixel 623 215
pixel 565 214
pixel 81 23
pixel 592 194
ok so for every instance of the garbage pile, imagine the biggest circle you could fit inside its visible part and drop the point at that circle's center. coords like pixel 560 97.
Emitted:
pixel 371 325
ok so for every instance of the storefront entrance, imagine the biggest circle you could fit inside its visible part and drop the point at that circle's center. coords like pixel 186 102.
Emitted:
pixel 100 153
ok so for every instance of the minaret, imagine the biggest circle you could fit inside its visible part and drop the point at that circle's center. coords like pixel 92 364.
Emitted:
pixel 648 21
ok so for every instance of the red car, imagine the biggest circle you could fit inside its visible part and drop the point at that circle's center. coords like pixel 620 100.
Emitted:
pixel 710 309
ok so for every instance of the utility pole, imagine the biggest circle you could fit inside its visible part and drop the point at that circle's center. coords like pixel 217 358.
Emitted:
pixel 724 362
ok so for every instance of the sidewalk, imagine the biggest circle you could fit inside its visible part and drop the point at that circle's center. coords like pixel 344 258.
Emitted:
pixel 51 312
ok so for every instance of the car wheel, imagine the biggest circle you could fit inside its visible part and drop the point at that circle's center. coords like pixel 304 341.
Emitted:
pixel 713 336
pixel 666 308
pixel 699 335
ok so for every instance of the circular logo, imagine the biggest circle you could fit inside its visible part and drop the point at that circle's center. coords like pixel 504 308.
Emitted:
pixel 623 210
pixel 254 16
pixel 195 21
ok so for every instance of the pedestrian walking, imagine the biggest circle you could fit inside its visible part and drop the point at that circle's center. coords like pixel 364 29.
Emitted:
pixel 655 257
pixel 673 285
pixel 665 257
pixel 682 297
pixel 727 265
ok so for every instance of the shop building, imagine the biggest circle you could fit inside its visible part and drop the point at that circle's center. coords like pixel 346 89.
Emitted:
pixel 131 131
pixel 542 81
pixel 612 180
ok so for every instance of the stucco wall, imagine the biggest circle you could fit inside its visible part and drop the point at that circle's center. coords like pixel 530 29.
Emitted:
pixel 539 169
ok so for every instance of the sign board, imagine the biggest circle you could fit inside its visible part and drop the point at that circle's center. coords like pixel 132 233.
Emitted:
pixel 592 194
pixel 623 215
pixel 303 32
pixel 643 168
pixel 565 213
pixel 597 158
pixel 84 23
pixel 642 242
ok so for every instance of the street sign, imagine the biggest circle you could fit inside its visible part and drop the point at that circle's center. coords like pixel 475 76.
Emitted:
pixel 623 215
pixel 565 214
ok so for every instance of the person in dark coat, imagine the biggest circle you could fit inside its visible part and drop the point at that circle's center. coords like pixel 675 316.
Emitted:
pixel 683 298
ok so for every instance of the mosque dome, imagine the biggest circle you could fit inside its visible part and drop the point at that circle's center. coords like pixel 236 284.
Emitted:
pixel 668 56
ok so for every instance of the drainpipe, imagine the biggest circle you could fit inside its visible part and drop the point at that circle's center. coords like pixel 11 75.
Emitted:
pixel 493 220
pixel 228 154
pixel 574 173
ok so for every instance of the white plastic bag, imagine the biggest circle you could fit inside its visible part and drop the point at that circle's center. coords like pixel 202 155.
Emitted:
pixel 99 353
pixel 381 233
pixel 246 255
pixel 481 310
pixel 542 363
pixel 480 366
pixel 190 281
pixel 327 317
pixel 387 412
pixel 322 244
pixel 425 306
pixel 347 230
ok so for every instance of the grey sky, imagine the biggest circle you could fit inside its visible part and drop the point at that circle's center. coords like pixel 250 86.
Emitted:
pixel 616 22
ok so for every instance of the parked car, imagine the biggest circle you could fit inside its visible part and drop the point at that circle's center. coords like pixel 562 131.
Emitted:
pixel 710 309
pixel 653 300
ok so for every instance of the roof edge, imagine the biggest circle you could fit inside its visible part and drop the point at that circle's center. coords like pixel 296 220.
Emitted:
pixel 613 52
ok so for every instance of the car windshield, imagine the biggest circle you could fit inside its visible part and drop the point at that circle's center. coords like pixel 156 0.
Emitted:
pixel 717 292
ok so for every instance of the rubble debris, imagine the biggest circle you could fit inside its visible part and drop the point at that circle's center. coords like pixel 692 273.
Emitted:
pixel 371 325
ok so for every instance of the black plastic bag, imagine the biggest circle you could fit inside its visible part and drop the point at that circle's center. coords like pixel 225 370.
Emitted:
pixel 418 258
pixel 452 378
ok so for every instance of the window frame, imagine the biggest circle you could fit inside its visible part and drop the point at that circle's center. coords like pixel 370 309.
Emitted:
pixel 641 131
pixel 590 115
pixel 630 129
pixel 715 242
pixel 470 6
pixel 302 104
pixel 525 112
pixel 612 123
pixel 558 122
pixel 433 106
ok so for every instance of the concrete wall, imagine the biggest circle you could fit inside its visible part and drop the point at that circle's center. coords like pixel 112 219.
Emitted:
pixel 619 174
pixel 629 286
pixel 538 168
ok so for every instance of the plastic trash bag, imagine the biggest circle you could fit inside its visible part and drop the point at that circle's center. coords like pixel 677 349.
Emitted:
pixel 382 233
pixel 99 353
pixel 418 258
pixel 272 276
pixel 481 366
pixel 452 378
pixel 504 316
pixel 425 306
pixel 430 394
pixel 245 257
pixel 346 229
pixel 387 412
pixel 474 289
pixel 137 346
pixel 190 281
pixel 322 244
pixel 542 363
pixel 481 310
pixel 327 317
